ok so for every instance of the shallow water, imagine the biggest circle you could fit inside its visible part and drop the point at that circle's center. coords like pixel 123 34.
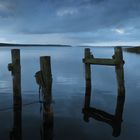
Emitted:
pixel 68 95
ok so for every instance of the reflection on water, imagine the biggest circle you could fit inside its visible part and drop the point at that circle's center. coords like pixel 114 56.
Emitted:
pixel 16 132
pixel 100 115
pixel 64 119
pixel 47 123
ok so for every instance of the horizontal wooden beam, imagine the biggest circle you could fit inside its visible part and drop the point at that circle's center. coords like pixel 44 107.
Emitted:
pixel 100 61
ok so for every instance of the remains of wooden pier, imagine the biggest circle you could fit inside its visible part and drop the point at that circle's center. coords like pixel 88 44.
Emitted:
pixel 114 120
pixel 116 60
pixel 15 69
pixel 44 80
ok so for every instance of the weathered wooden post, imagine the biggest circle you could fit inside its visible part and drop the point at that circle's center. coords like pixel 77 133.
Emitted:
pixel 87 71
pixel 87 67
pixel 119 70
pixel 15 68
pixel 45 67
pixel 87 55
pixel 116 61
pixel 44 80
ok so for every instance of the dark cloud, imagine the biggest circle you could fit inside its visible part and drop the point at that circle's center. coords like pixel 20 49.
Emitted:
pixel 71 16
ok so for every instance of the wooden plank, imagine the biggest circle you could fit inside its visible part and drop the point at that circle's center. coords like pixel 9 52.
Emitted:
pixel 100 61
pixel 47 125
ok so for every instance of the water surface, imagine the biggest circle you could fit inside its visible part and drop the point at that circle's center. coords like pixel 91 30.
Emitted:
pixel 68 95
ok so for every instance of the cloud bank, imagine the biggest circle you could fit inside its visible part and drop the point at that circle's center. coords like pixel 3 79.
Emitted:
pixel 78 22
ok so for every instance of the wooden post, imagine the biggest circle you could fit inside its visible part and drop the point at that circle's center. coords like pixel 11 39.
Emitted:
pixel 87 56
pixel 87 65
pixel 45 67
pixel 87 73
pixel 119 70
pixel 48 123
pixel 15 68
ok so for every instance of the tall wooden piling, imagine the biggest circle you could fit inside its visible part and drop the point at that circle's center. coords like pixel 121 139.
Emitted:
pixel 87 65
pixel 119 70
pixel 45 67
pixel 87 55
pixel 15 68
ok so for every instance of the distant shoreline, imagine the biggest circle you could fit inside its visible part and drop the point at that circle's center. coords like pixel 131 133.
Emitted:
pixel 32 45
pixel 133 49
pixel 126 48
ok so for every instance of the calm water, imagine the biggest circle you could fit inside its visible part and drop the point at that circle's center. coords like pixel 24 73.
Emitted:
pixel 68 95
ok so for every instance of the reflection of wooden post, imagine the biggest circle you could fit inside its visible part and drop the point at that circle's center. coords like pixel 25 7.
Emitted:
pixel 47 130
pixel 87 96
pixel 15 68
pixel 87 101
pixel 45 67
pixel 16 133
pixel 118 115
pixel 119 70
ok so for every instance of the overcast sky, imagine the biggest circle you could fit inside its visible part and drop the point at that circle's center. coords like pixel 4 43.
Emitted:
pixel 83 22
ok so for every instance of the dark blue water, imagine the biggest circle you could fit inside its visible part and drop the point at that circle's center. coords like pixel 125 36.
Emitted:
pixel 68 95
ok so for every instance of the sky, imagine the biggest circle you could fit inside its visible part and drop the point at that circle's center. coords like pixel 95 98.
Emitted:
pixel 73 22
